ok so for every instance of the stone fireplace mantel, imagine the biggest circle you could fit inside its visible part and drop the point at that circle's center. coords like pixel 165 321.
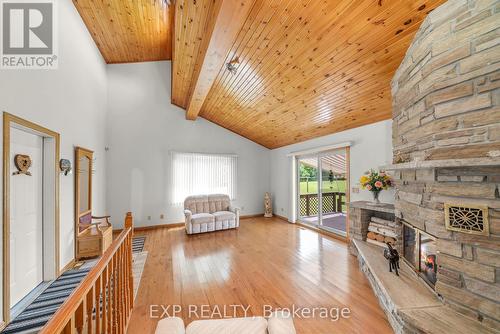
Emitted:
pixel 451 163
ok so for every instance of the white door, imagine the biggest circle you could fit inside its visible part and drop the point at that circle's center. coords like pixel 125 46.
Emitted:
pixel 26 217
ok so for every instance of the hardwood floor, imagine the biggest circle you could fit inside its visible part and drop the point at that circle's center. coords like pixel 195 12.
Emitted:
pixel 264 262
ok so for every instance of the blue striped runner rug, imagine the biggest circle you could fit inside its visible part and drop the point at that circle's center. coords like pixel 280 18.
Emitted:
pixel 39 312
pixel 36 315
pixel 138 243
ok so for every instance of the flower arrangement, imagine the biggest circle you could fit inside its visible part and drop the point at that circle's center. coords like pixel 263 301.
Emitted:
pixel 375 181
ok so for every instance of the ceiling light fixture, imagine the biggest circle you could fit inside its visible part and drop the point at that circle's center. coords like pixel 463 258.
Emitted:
pixel 233 65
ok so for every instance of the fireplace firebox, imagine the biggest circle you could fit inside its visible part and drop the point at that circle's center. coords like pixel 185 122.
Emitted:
pixel 420 252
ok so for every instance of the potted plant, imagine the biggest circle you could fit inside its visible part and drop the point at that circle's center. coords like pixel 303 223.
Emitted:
pixel 375 181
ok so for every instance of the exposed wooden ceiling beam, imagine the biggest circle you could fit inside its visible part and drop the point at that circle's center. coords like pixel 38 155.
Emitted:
pixel 218 40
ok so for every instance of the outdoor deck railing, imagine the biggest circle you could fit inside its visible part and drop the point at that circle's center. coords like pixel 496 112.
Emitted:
pixel 331 202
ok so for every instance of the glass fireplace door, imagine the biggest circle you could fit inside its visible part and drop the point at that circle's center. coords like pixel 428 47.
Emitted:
pixel 420 252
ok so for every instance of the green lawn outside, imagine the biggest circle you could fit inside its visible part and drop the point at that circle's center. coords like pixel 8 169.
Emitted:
pixel 312 188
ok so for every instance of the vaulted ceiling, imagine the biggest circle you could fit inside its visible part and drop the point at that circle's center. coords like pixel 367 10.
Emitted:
pixel 304 68
pixel 128 31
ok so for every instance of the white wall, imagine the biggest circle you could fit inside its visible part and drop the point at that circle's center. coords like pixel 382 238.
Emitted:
pixel 372 147
pixel 71 101
pixel 144 127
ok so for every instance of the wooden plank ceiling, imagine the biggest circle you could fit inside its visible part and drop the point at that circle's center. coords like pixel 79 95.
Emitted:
pixel 307 68
pixel 129 30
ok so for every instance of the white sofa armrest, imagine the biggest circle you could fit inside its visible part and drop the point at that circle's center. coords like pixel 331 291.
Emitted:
pixel 170 326
pixel 280 322
pixel 188 214
pixel 236 211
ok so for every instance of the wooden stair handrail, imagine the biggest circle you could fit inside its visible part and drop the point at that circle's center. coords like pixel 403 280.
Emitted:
pixel 128 222
pixel 65 315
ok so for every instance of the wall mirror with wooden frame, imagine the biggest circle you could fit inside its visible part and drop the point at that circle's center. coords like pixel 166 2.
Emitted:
pixel 93 234
pixel 83 187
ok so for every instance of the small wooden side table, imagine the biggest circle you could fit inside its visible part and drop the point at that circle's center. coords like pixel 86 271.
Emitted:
pixel 94 241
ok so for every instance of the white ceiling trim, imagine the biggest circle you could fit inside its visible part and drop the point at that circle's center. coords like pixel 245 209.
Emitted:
pixel 320 149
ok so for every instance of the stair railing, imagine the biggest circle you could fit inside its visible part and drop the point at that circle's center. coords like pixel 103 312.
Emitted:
pixel 103 302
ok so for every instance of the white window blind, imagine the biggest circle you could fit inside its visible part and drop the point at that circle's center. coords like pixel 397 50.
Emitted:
pixel 202 174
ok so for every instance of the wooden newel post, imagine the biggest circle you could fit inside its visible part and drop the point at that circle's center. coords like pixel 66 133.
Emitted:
pixel 129 222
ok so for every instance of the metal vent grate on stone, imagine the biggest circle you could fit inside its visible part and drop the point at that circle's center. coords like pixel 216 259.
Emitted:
pixel 465 218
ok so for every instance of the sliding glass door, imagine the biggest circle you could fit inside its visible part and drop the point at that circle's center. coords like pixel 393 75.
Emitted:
pixel 308 189
pixel 322 186
pixel 333 191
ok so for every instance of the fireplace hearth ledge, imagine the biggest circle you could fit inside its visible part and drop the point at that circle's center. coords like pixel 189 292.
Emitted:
pixel 410 305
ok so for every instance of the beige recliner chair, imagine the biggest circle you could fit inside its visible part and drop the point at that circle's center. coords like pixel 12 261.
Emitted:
pixel 207 213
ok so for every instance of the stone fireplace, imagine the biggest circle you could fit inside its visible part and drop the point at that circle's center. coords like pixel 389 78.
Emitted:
pixel 446 168
pixel 446 144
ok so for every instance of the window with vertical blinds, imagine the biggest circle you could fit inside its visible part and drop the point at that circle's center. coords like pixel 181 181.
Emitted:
pixel 202 174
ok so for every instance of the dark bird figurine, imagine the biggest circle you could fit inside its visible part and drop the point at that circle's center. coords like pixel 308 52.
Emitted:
pixel 392 255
